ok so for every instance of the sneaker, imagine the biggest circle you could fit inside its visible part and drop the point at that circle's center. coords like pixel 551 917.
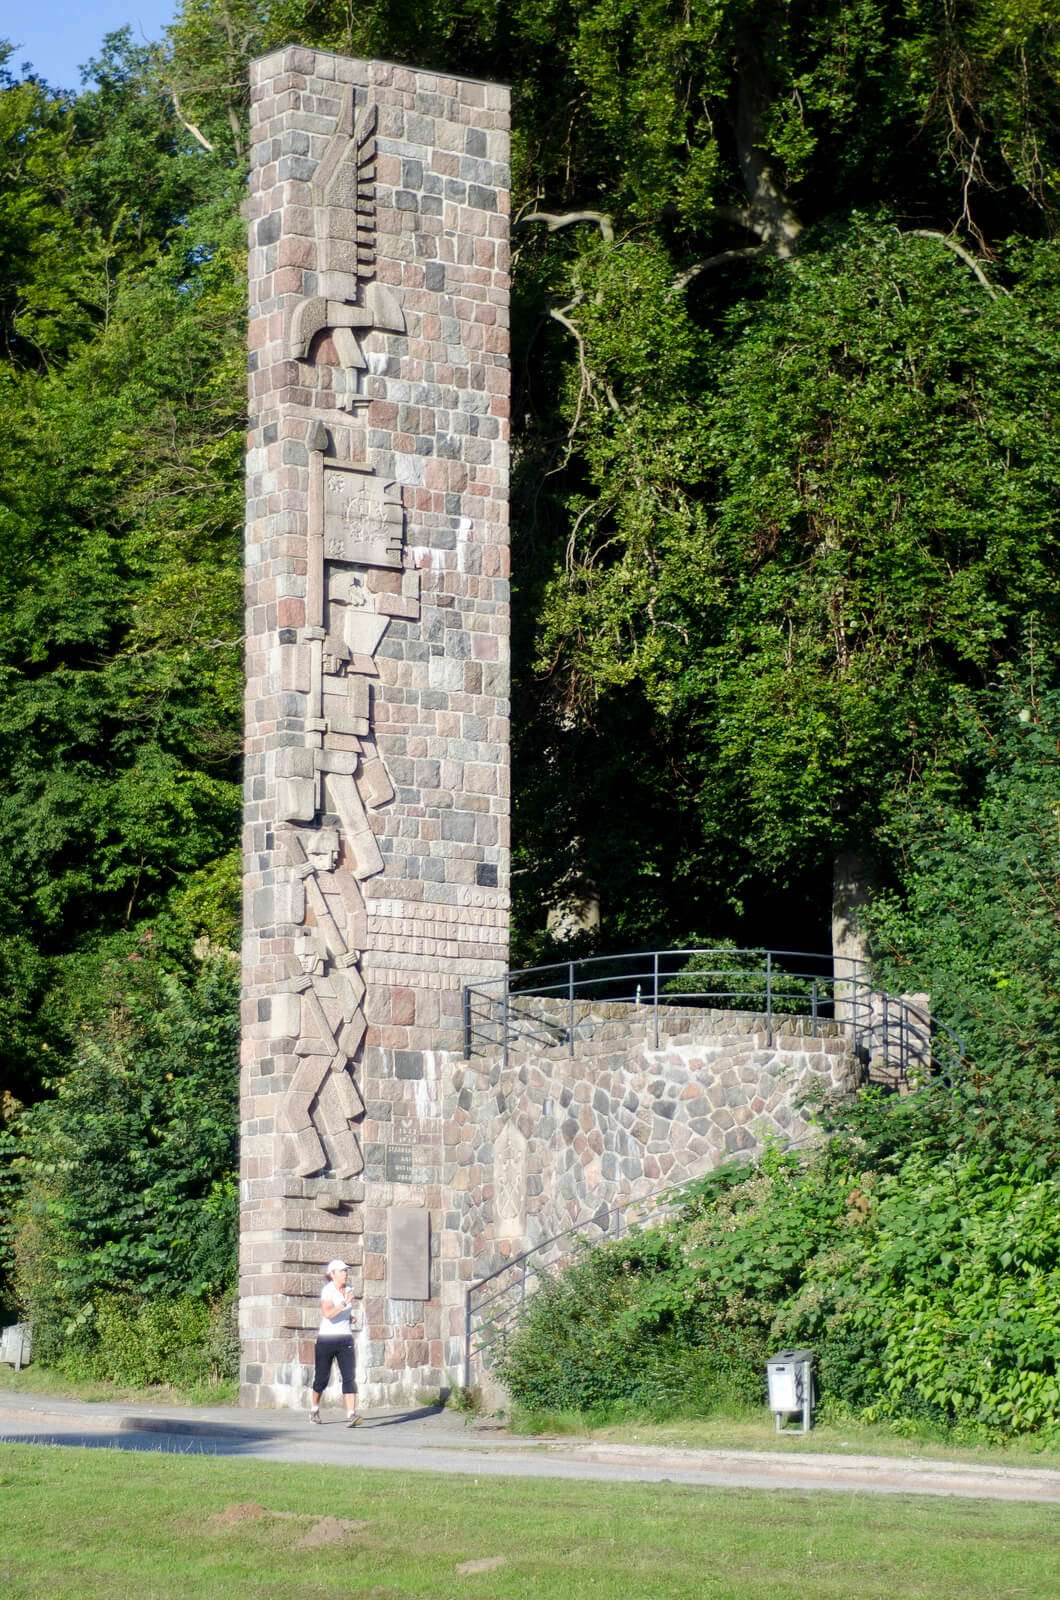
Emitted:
pixel 353 1420
pixel 314 1415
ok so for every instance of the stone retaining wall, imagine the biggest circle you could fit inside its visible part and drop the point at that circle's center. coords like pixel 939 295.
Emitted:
pixel 548 1140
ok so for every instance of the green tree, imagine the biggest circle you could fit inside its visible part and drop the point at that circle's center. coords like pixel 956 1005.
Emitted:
pixel 126 1180
pixel 977 926
pixel 38 240
pixel 861 516
pixel 695 187
pixel 120 511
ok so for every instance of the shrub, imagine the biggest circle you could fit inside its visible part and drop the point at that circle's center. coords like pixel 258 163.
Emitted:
pixel 931 1293
pixel 626 1326
pixel 940 1299
pixel 126 1182
pixel 139 1342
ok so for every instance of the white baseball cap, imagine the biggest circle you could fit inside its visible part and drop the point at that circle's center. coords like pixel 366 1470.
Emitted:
pixel 336 1266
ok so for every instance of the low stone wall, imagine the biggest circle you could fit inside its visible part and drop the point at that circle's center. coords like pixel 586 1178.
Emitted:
pixel 547 1020
pixel 544 1142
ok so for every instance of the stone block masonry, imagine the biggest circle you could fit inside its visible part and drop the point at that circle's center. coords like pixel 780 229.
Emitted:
pixel 376 811
pixel 549 1139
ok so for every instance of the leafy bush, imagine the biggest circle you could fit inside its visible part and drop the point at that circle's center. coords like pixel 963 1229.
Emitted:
pixel 627 1326
pixel 738 978
pixel 957 1281
pixel 976 927
pixel 126 1177
pixel 137 1342
pixel 931 1293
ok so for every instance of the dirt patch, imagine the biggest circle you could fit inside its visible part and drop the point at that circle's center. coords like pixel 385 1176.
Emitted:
pixel 324 1530
pixel 245 1511
pixel 484 1564
pixel 328 1531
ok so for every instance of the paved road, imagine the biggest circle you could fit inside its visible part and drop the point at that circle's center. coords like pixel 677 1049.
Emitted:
pixel 434 1440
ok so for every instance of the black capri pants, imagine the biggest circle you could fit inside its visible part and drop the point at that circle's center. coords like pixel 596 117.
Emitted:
pixel 327 1351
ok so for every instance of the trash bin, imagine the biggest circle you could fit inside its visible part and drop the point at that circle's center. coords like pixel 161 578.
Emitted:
pixel 16 1344
pixel 789 1376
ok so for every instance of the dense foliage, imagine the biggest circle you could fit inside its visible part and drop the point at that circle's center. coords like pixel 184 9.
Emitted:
pixel 127 1170
pixel 929 1294
pixel 120 452
pixel 786 447
pixel 918 1252
pixel 978 924
pixel 121 406
pixel 630 1326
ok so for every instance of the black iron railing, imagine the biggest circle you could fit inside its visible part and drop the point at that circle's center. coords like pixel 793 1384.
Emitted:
pixel 556 1005
pixel 545 1005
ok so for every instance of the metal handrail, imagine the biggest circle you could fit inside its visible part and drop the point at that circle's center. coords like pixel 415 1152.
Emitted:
pixel 918 1036
pixel 500 1012
pixel 761 982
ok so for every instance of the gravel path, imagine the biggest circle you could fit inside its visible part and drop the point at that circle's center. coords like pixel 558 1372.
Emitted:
pixel 435 1440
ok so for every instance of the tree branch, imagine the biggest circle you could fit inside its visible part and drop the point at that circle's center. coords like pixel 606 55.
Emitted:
pixel 587 377
pixel 566 219
pixel 680 284
pixel 958 250
pixel 558 314
pixel 190 126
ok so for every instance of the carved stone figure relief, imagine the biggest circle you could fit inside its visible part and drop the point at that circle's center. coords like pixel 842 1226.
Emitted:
pixel 349 301
pixel 330 778
pixel 509 1183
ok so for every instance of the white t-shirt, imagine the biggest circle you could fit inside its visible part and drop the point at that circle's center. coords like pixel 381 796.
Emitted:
pixel 334 1327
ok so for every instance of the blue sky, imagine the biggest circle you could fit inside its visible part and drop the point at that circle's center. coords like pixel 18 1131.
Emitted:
pixel 58 35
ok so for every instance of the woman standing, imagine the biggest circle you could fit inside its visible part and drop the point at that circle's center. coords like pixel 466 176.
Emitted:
pixel 335 1341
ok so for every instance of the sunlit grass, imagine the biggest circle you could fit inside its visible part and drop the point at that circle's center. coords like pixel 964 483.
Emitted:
pixel 38 1380
pixel 95 1523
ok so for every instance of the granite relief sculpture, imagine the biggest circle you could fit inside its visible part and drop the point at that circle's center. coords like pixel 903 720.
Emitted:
pixel 356 581
pixel 349 301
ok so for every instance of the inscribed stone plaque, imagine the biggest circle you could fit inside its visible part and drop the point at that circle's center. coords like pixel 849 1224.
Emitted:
pixel 399 1163
pixel 509 1184
pixel 409 1254
pixel 362 518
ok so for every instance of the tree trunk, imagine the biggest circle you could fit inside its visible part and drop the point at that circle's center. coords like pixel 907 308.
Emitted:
pixel 851 889
pixel 771 214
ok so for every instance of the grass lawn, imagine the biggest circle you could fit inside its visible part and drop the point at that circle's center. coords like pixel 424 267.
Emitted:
pixel 90 1523
pixel 38 1380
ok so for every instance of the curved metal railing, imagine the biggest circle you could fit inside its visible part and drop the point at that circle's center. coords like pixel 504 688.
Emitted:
pixel 540 1005
pixel 557 1004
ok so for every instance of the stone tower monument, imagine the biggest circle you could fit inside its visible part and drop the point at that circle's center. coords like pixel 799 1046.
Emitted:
pixel 376 842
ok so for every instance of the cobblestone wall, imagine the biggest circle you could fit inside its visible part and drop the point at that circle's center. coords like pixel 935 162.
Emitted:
pixel 546 1141
pixel 376 866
